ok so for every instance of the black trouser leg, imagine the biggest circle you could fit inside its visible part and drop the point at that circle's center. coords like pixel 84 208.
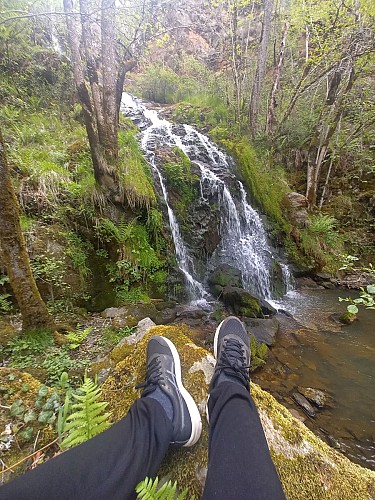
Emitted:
pixel 107 467
pixel 239 461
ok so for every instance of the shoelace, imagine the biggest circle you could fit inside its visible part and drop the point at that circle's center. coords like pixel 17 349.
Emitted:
pixel 154 377
pixel 232 361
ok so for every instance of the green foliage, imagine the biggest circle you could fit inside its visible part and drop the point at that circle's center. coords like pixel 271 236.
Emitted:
pixel 321 242
pixel 88 417
pixel 149 489
pixel 159 84
pixel 154 225
pixel 24 349
pixel 36 349
pixel 5 304
pixel 112 336
pixel 259 353
pixel 77 251
pixel 366 299
pixel 134 172
pixel 179 178
pixel 77 337
pixel 267 185
pixel 138 263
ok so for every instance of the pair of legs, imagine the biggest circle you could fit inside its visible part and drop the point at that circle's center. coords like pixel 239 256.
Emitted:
pixel 110 465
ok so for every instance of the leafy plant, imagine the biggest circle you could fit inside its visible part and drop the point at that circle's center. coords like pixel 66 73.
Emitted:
pixel 259 353
pixel 77 337
pixel 5 304
pixel 88 417
pixel 366 299
pixel 149 489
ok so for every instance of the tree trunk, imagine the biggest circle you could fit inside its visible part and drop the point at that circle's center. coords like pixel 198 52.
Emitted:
pixel 271 115
pixel 93 96
pixel 261 67
pixel 13 249
pixel 327 125
pixel 109 71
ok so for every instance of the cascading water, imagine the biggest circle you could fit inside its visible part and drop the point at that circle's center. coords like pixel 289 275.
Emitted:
pixel 243 241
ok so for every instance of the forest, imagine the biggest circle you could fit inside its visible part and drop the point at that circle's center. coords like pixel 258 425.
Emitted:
pixel 162 166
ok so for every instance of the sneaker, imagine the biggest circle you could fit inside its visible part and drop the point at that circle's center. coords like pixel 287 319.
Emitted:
pixel 164 372
pixel 232 353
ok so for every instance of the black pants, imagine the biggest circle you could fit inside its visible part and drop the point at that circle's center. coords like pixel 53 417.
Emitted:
pixel 110 465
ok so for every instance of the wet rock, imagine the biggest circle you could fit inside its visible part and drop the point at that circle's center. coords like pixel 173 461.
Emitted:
pixel 223 276
pixel 306 283
pixel 166 316
pixel 304 404
pixel 129 315
pixel 266 307
pixel 191 316
pixel 297 415
pixel 296 207
pixel 316 396
pixel 264 330
pixel 241 302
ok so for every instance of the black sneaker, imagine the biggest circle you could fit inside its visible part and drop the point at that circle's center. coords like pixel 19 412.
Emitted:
pixel 164 372
pixel 232 353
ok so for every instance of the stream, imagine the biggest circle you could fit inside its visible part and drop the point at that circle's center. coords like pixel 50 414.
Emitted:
pixel 337 359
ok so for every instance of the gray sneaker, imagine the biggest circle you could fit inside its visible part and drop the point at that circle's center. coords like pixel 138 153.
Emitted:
pixel 232 353
pixel 164 372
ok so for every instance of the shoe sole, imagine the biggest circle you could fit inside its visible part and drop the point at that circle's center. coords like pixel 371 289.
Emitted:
pixel 215 354
pixel 196 423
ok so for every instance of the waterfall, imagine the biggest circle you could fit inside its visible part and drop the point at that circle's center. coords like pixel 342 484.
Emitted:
pixel 243 241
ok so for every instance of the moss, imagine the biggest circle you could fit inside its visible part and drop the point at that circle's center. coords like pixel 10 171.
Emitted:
pixel 7 332
pixel 181 182
pixel 308 468
pixel 267 185
pixel 134 172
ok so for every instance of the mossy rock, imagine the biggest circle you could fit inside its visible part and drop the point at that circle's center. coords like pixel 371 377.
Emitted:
pixel 308 468
pixel 241 302
pixel 7 332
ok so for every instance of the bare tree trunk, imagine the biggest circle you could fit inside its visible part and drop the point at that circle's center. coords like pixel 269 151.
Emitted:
pixel 109 71
pixel 84 95
pixel 13 249
pixel 261 67
pixel 271 115
pixel 324 132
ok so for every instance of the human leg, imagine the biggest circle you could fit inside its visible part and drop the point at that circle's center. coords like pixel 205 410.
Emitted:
pixel 110 465
pixel 240 464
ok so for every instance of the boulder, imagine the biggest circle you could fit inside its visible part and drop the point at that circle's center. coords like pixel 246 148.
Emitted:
pixel 266 307
pixel 316 396
pixel 130 314
pixel 264 330
pixel 304 404
pixel 224 275
pixel 297 453
pixel 241 302
pixel 296 207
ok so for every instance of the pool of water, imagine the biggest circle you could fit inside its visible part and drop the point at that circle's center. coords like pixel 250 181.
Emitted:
pixel 340 360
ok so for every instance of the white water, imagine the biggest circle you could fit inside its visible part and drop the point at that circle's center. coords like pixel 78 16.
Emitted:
pixel 243 242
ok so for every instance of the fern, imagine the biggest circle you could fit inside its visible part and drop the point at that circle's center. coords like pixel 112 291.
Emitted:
pixel 88 418
pixel 77 337
pixel 148 490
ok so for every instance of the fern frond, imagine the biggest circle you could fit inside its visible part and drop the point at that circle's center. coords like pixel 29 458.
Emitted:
pixel 148 490
pixel 87 418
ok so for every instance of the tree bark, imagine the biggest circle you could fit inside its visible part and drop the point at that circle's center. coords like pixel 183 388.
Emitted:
pixel 271 115
pixel 109 71
pixel 326 128
pixel 261 67
pixel 87 73
pixel 13 249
